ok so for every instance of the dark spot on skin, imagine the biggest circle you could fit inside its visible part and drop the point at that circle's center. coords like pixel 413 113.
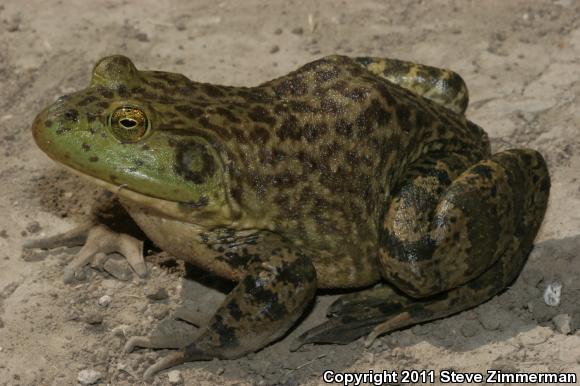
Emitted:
pixel 260 114
pixel 301 107
pixel 86 146
pixel 344 128
pixel 105 92
pixel 91 117
pixel 386 94
pixel 94 158
pixel 62 130
pixel 326 75
pixel 329 106
pixel 123 91
pixel 314 131
pixel 226 333
pixel 138 90
pixel 268 299
pixel 483 170
pixel 289 129
pixel 193 154
pixel 236 193
pixel 404 118
pixel 284 180
pixel 103 105
pixel 71 115
pixel 291 87
pixel 234 310
pixel 357 94
pixel 234 260
pixel 227 114
pixel 213 91
pixel 48 123
pixel 145 147
pixel 189 111
pixel 87 100
pixel 280 109
pixel 260 134
pixel 203 201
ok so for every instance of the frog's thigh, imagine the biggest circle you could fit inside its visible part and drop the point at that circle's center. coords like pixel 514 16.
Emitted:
pixel 486 212
pixel 442 86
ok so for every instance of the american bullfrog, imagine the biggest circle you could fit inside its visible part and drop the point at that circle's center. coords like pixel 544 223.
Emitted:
pixel 345 173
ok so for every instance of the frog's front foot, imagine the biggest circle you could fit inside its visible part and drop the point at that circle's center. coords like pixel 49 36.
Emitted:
pixel 98 241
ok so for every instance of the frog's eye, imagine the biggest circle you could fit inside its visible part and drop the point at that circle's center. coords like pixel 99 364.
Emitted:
pixel 129 124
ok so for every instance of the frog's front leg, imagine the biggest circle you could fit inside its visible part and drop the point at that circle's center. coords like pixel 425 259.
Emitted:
pixel 278 285
pixel 97 240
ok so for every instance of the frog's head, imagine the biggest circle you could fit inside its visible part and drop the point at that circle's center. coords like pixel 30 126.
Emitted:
pixel 120 131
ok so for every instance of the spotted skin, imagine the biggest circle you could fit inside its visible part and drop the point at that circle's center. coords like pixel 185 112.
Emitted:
pixel 342 174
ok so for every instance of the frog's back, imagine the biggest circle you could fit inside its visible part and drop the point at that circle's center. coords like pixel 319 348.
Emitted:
pixel 316 153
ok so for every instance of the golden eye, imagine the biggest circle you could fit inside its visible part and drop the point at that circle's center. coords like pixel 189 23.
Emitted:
pixel 129 124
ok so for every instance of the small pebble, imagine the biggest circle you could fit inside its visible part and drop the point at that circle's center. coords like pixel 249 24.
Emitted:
pixel 278 31
pixel 119 269
pixel 105 300
pixel 298 31
pixel 89 377
pixel 489 321
pixel 553 293
pixel 158 294
pixel 121 330
pixel 563 323
pixel 33 227
pixel 94 318
pixel 174 377
pixel 142 37
pixel 469 329
pixel 274 49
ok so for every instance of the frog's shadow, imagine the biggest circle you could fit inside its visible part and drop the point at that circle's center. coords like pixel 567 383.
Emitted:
pixel 515 311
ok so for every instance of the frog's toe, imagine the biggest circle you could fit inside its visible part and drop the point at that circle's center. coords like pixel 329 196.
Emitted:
pixel 171 360
pixel 191 353
pixel 72 238
pixel 338 330
pixel 169 333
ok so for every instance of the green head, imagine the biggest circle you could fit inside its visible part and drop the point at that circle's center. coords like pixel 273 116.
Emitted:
pixel 125 131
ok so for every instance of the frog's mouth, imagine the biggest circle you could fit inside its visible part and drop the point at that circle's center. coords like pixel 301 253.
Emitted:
pixel 206 216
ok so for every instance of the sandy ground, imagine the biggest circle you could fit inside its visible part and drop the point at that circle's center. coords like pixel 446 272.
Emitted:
pixel 521 60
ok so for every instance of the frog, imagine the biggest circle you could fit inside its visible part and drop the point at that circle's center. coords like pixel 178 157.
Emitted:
pixel 355 173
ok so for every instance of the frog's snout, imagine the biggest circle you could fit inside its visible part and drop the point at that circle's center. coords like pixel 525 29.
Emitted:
pixel 40 126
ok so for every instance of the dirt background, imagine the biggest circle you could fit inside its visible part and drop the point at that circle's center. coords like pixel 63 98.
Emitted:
pixel 521 60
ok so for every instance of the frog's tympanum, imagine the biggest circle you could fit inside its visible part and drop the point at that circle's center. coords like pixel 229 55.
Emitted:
pixel 345 173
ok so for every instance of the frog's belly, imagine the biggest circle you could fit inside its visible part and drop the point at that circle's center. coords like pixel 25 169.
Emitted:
pixel 180 239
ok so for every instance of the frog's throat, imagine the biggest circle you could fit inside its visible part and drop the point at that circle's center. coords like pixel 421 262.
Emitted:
pixel 210 216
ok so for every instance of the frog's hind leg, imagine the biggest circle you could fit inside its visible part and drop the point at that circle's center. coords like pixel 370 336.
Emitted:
pixel 354 315
pixel 442 86
pixel 380 310
pixel 436 238
pixel 450 243
pixel 278 284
